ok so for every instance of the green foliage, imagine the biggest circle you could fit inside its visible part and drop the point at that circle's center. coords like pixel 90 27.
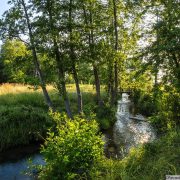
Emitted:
pixel 161 104
pixel 35 100
pixel 16 59
pixel 168 105
pixel 163 52
pixel 105 116
pixel 73 150
pixel 21 125
pixel 144 102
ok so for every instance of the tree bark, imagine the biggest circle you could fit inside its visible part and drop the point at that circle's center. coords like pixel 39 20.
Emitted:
pixel 95 68
pixel 61 85
pixel 73 59
pixel 176 70
pixel 79 96
pixel 97 85
pixel 116 49
pixel 35 59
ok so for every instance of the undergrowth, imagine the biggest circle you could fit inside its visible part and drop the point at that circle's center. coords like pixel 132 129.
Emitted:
pixel 22 124
pixel 149 162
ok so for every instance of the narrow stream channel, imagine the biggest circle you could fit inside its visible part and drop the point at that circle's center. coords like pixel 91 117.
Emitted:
pixel 14 163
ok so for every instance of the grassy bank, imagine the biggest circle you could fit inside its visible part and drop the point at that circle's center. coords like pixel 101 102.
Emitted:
pixel 24 114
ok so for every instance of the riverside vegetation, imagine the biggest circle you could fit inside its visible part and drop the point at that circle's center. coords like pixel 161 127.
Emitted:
pixel 25 119
pixel 89 52
pixel 24 115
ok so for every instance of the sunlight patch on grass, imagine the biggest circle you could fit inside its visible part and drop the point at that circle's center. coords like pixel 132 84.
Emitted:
pixel 13 88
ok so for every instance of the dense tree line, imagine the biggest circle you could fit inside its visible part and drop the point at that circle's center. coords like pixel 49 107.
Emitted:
pixel 91 41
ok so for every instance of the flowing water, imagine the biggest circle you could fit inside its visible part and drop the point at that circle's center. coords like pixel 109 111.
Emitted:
pixel 14 163
pixel 130 131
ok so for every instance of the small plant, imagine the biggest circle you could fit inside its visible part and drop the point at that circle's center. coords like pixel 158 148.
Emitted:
pixel 73 149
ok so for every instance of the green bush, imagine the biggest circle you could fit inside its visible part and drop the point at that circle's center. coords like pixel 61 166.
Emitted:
pixel 20 125
pixel 72 150
pixel 105 116
pixel 167 117
pixel 144 103
pixel 162 105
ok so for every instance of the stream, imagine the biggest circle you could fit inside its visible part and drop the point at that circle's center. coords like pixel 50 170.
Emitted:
pixel 14 162
pixel 128 131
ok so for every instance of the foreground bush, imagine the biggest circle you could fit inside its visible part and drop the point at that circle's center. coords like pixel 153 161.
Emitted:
pixel 21 125
pixel 73 150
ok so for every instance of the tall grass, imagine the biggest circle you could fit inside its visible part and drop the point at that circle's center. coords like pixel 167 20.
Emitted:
pixel 14 88
pixel 23 111
pixel 22 124
pixel 23 115
pixel 151 161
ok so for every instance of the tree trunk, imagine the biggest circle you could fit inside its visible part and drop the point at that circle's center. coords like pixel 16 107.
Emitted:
pixel 35 59
pixel 176 70
pixel 116 49
pixel 110 83
pixel 95 68
pixel 61 85
pixel 73 59
pixel 97 84
pixel 79 96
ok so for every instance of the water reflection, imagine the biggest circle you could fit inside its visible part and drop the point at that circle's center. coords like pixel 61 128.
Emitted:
pixel 130 131
pixel 15 162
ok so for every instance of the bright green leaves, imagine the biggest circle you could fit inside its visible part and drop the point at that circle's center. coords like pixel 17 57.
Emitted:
pixel 74 149
pixel 15 57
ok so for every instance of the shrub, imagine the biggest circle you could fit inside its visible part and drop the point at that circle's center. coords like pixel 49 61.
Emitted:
pixel 105 116
pixel 72 150
pixel 162 105
pixel 145 103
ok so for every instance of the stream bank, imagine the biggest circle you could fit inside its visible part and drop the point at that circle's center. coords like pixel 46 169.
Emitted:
pixel 127 132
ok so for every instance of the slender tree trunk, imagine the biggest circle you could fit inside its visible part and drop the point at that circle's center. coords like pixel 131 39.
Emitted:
pixel 155 92
pixel 35 59
pixel 61 85
pixel 79 99
pixel 95 68
pixel 110 81
pixel 176 70
pixel 116 49
pixel 97 84
pixel 73 59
